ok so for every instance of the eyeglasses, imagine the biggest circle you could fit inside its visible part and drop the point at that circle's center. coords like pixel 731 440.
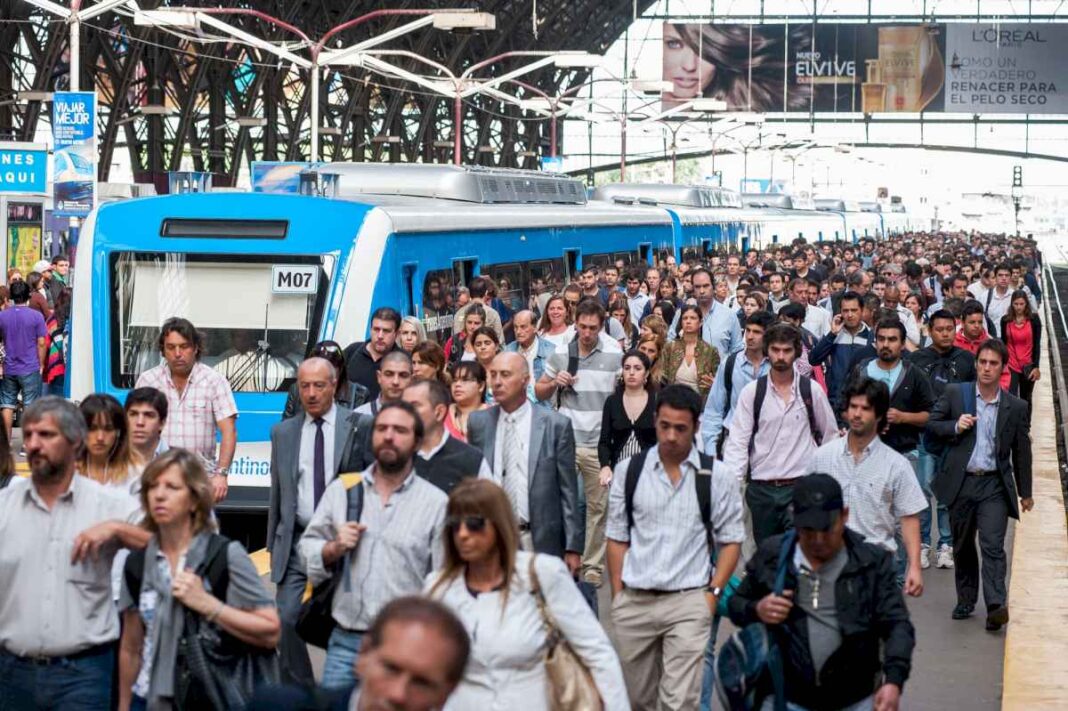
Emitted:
pixel 474 524
pixel 327 348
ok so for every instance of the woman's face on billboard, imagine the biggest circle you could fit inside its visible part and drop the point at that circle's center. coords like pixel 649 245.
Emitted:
pixel 684 68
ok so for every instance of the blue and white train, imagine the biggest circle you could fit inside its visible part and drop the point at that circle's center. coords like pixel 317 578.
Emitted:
pixel 263 276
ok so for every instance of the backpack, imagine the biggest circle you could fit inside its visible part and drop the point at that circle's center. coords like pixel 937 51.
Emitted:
pixel 752 651
pixel 728 384
pixel 572 366
pixel 315 622
pixel 986 312
pixel 804 385
pixel 702 483
pixel 212 669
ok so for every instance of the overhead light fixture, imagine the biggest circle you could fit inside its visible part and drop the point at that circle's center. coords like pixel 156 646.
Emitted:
pixel 383 138
pixel 329 131
pixel 527 154
pixel 651 86
pixel 250 122
pixel 703 104
pixel 185 18
pixel 577 60
pixel 539 103
pixel 487 149
pixel 156 110
pixel 34 96
pixel 843 148
pixel 443 144
pixel 458 20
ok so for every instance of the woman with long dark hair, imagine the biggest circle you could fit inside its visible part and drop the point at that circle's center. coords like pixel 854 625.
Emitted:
pixel 627 425
pixel 495 590
pixel 688 360
pixel 108 457
pixel 1021 330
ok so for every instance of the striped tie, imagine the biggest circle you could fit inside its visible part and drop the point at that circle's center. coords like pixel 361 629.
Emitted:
pixel 513 478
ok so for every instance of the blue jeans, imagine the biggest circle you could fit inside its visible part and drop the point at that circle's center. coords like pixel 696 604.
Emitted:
pixel 339 671
pixel 82 683
pixel 11 385
pixel 708 679
pixel 924 468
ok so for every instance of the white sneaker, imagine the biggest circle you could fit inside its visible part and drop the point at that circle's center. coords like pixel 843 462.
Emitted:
pixel 925 557
pixel 945 557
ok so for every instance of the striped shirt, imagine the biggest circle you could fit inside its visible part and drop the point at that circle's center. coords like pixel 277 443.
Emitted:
pixel 878 490
pixel 400 546
pixel 666 544
pixel 598 374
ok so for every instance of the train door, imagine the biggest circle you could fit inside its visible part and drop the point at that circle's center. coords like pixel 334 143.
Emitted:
pixel 463 271
pixel 645 252
pixel 408 270
pixel 571 264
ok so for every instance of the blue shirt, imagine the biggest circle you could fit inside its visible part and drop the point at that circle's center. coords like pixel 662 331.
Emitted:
pixel 983 457
pixel 713 419
pixel 885 376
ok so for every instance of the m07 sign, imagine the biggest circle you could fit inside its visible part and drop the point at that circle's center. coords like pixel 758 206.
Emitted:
pixel 295 279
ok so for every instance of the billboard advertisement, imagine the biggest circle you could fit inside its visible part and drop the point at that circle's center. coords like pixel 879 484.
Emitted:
pixel 1007 68
pixel 74 138
pixel 793 67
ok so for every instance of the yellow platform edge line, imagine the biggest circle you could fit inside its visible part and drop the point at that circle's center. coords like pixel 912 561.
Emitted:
pixel 1036 638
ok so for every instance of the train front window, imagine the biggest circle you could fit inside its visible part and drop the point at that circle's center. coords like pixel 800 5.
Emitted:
pixel 257 315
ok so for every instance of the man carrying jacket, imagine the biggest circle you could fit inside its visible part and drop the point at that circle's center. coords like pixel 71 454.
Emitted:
pixel 944 363
pixel 841 623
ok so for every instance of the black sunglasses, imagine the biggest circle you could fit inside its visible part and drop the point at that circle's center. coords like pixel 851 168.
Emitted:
pixel 474 524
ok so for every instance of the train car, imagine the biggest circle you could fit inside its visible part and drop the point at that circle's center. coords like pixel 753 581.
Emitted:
pixel 859 224
pixel 263 276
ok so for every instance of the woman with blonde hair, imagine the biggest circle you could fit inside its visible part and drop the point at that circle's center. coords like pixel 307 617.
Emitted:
pixel 163 588
pixel 652 345
pixel 495 590
pixel 411 333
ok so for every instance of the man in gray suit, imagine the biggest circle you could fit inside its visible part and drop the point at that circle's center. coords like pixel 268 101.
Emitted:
pixel 985 478
pixel 531 451
pixel 306 455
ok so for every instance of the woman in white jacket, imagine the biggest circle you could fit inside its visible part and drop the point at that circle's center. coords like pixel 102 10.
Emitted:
pixel 486 582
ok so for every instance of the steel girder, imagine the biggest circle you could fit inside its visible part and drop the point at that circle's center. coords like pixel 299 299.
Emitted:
pixel 206 87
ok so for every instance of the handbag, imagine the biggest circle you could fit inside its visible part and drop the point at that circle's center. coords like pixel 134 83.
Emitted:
pixel 315 621
pixel 571 685
pixel 214 669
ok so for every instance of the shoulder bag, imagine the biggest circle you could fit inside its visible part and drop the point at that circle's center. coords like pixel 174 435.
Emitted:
pixel 571 686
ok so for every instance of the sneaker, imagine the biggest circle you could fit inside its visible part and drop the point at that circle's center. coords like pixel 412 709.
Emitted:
pixel 962 611
pixel 945 557
pixel 925 557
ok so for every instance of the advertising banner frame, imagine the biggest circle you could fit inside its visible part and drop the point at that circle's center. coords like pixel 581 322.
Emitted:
pixel 75 156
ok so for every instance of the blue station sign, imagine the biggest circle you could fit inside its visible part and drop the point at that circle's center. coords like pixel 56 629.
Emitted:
pixel 23 169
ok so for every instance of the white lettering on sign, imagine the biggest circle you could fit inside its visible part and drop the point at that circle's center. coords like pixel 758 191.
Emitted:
pixel 295 279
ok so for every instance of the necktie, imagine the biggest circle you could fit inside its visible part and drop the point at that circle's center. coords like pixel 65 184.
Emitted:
pixel 319 461
pixel 513 479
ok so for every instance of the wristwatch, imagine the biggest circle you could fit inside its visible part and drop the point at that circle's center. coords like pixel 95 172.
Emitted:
pixel 714 590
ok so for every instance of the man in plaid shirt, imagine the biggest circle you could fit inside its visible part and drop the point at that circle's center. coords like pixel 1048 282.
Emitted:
pixel 199 400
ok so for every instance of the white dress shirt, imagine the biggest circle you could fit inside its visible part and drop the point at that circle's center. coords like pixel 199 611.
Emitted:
pixel 306 463
pixel 522 419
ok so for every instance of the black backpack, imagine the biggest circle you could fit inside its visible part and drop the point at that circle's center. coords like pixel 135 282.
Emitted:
pixel 804 385
pixel 702 482
pixel 315 622
pixel 728 384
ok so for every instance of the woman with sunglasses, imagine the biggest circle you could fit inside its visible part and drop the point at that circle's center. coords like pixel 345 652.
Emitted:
pixel 348 393
pixel 555 325
pixel 487 582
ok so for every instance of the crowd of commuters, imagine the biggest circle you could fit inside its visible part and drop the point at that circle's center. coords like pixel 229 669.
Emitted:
pixel 455 500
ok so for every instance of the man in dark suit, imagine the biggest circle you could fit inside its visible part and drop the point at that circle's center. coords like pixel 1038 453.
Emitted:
pixel 307 453
pixel 531 451
pixel 442 460
pixel 987 465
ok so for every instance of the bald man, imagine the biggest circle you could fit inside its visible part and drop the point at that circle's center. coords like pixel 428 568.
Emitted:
pixel 306 454
pixel 531 451
pixel 533 348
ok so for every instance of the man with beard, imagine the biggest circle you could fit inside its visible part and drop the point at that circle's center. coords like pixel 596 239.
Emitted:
pixel 386 553
pixel 779 421
pixel 58 535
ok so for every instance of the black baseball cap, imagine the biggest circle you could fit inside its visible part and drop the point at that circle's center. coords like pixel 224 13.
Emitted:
pixel 817 502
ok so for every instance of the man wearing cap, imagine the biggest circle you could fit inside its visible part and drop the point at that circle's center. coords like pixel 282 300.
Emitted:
pixel 44 268
pixel 842 624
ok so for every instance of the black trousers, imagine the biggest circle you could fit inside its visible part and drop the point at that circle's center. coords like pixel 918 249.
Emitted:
pixel 770 508
pixel 980 507
pixel 1022 387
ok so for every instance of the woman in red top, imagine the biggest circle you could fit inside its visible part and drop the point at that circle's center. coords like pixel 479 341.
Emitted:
pixel 1021 330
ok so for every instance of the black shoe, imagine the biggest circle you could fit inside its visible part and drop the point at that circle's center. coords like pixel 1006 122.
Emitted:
pixel 996 617
pixel 962 611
